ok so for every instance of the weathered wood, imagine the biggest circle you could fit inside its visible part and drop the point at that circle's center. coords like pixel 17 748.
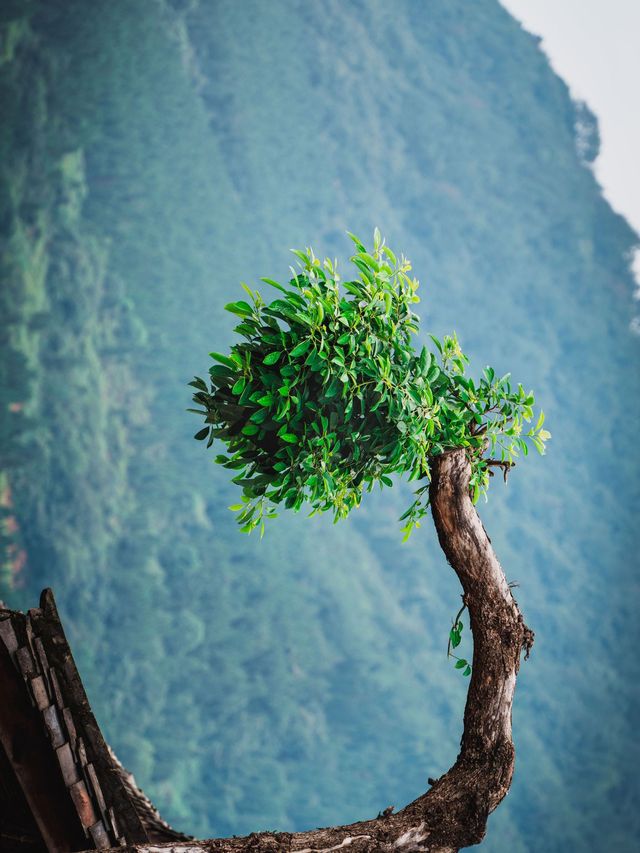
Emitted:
pixel 41 670
pixel 71 694
pixel 52 724
pixel 68 767
pixel 97 790
pixel 32 761
pixel 42 655
pixel 7 634
pixel 83 804
pixel 453 813
pixel 26 662
pixel 39 692
pixel 99 835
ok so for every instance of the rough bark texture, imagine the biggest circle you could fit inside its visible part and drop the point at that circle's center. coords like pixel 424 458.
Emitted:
pixel 453 813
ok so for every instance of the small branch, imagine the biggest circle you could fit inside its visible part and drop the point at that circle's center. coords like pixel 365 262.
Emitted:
pixel 455 622
pixel 498 463
pixel 527 641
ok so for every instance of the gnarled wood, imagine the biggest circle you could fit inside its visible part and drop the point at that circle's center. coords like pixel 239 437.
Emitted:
pixel 453 813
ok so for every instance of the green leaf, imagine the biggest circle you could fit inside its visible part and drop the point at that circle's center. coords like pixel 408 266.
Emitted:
pixel 246 395
pixel 202 434
pixel 460 664
pixel 369 261
pixel 242 308
pixel 364 269
pixel 437 343
pixel 467 671
pixel 274 284
pixel 247 290
pixel 259 416
pixel 199 383
pixel 272 357
pixel 224 359
pixel 301 348
pixel 289 437
pixel 238 388
pixel 359 245
pixel 390 255
pixel 250 429
pixel 333 388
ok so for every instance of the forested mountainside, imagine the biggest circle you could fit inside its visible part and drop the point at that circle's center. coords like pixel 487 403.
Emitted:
pixel 152 156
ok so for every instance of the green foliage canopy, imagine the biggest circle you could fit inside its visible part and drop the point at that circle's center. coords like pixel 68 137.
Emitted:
pixel 325 395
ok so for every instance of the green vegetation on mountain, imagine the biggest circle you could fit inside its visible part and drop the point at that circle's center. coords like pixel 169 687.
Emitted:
pixel 152 154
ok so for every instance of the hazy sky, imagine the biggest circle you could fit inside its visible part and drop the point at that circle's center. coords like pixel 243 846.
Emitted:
pixel 595 47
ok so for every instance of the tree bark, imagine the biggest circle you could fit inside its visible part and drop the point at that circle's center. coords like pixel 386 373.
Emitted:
pixel 454 812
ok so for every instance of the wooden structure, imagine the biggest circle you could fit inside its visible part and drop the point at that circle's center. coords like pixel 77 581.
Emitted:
pixel 61 786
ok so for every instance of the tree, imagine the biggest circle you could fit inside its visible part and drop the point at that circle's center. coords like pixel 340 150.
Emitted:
pixel 324 397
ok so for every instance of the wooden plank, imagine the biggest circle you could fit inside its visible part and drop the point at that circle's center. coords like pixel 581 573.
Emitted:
pixel 114 822
pixel 52 722
pixel 97 790
pixel 82 801
pixel 81 752
pixel 26 663
pixel 29 626
pixel 53 678
pixel 67 764
pixel 39 692
pixel 100 836
pixel 8 635
pixel 41 655
pixel 67 716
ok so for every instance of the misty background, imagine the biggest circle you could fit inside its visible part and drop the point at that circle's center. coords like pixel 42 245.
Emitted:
pixel 153 155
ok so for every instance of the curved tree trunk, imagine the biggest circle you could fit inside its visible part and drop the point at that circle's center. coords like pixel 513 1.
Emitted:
pixel 454 812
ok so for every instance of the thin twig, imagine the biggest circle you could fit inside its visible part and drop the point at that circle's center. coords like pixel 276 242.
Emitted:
pixel 455 622
pixel 498 463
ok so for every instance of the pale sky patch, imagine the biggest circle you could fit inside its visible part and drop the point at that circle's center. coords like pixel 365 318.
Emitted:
pixel 594 45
